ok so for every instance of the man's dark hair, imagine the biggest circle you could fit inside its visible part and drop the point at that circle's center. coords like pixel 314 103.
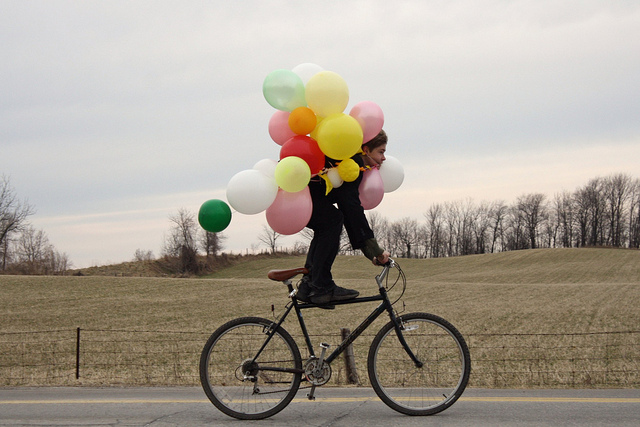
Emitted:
pixel 376 141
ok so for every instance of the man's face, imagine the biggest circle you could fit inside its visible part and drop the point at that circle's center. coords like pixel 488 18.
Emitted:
pixel 376 156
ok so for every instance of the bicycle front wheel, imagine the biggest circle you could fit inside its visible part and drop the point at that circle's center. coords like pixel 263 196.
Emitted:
pixel 242 383
pixel 424 390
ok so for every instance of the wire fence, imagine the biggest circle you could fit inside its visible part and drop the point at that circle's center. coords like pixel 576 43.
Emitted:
pixel 128 357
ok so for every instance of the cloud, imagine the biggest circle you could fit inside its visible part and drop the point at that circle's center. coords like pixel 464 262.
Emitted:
pixel 147 106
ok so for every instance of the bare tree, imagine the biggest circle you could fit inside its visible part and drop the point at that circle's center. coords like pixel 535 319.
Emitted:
pixel 460 217
pixel 142 255
pixel 482 225
pixel 435 232
pixel 31 248
pixel 35 255
pixel 634 215
pixel 13 216
pixel 212 243
pixel 405 234
pixel 57 262
pixel 306 234
pixel 181 242
pixel 380 227
pixel 564 208
pixel 270 238
pixel 532 210
pixel 499 212
pixel 617 189
pixel 345 247
pixel 32 245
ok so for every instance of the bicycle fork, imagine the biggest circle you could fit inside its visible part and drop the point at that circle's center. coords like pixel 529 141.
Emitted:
pixel 399 327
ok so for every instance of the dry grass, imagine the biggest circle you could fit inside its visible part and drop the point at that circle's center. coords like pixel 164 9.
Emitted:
pixel 564 291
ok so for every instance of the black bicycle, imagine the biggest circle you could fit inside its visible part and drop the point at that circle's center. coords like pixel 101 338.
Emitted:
pixel 418 363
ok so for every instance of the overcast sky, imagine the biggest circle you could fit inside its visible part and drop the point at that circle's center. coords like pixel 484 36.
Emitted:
pixel 115 114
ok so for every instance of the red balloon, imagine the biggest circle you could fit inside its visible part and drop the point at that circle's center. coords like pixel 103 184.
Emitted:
pixel 307 149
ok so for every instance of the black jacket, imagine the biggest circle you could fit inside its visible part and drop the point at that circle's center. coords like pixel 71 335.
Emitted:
pixel 347 198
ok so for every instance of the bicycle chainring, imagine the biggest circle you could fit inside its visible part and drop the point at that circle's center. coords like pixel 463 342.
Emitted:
pixel 315 374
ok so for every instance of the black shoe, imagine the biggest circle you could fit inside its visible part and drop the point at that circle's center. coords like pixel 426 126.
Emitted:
pixel 337 293
pixel 305 290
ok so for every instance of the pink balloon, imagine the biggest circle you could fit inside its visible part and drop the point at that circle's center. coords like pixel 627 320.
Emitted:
pixel 371 189
pixel 290 212
pixel 370 117
pixel 279 129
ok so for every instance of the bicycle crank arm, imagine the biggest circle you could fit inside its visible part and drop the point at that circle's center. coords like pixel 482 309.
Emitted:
pixel 318 371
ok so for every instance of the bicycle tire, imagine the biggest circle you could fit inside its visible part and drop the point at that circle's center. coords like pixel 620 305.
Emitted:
pixel 424 390
pixel 260 394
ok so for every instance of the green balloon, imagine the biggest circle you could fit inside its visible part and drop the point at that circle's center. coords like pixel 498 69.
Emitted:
pixel 284 90
pixel 214 215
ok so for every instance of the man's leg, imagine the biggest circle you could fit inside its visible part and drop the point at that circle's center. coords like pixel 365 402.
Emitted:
pixel 326 223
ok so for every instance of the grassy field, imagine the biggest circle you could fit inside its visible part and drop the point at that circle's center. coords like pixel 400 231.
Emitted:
pixel 549 291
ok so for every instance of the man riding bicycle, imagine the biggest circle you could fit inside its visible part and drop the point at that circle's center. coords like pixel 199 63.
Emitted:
pixel 326 222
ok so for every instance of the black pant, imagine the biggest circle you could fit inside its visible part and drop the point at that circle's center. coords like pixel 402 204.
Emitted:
pixel 326 222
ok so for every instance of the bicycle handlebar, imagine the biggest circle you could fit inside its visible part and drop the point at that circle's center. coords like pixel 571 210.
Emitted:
pixel 391 263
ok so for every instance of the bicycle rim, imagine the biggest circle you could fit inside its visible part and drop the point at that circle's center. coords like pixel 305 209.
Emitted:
pixel 431 388
pixel 224 364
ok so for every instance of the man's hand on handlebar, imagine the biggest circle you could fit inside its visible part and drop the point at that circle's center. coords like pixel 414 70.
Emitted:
pixel 381 259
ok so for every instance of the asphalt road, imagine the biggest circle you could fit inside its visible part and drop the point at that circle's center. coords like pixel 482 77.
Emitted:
pixel 54 406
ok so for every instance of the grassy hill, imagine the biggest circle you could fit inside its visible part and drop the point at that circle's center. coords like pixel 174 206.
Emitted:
pixel 546 289
pixel 587 265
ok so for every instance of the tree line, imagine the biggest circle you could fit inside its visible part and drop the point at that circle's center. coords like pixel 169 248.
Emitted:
pixel 23 248
pixel 603 212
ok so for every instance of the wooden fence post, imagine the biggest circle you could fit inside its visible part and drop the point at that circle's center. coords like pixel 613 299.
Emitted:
pixel 349 360
pixel 78 354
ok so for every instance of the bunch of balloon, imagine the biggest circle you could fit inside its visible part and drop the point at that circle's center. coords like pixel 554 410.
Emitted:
pixel 309 123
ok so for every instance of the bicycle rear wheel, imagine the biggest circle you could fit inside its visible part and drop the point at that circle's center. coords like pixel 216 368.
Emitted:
pixel 243 388
pixel 431 388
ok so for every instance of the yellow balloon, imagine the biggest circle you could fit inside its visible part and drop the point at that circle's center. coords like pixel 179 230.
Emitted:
pixel 314 132
pixel 292 174
pixel 339 136
pixel 348 170
pixel 327 93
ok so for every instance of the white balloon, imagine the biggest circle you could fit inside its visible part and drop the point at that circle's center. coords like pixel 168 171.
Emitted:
pixel 334 177
pixel 392 174
pixel 266 166
pixel 306 71
pixel 251 191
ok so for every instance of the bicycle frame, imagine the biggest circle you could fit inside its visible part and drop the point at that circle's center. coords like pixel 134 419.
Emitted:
pixel 385 305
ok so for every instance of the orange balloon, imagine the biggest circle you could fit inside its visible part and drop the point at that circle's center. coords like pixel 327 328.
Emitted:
pixel 302 120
